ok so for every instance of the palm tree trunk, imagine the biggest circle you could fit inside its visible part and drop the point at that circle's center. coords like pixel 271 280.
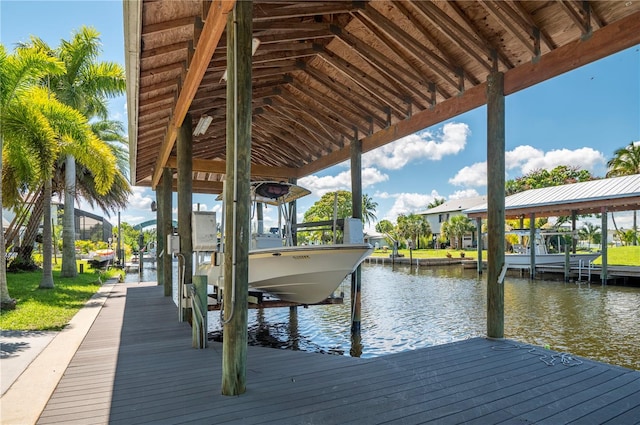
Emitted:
pixel 31 231
pixel 47 269
pixel 69 228
pixel 615 226
pixel 5 300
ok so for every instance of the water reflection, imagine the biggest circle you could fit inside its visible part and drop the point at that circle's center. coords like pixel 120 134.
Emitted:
pixel 407 309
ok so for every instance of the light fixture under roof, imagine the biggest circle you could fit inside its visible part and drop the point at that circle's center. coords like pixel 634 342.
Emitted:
pixel 203 125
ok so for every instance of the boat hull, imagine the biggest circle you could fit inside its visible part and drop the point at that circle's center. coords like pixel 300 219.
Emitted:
pixel 300 274
pixel 102 256
pixel 304 274
pixel 523 261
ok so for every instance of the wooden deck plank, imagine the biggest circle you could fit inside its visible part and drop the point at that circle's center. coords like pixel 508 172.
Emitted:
pixel 136 366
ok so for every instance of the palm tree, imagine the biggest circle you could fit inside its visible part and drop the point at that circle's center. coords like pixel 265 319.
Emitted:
pixel 368 209
pixel 590 232
pixel 35 137
pixel 625 162
pixel 20 122
pixel 413 226
pixel 85 85
pixel 435 203
pixel 457 227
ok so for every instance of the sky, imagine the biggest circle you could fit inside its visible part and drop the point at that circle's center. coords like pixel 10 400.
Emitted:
pixel 578 119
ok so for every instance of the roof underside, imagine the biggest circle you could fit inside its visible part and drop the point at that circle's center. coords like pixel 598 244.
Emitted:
pixel 614 194
pixel 328 72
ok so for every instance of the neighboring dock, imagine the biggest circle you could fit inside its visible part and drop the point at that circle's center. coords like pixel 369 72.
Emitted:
pixel 584 273
pixel 136 365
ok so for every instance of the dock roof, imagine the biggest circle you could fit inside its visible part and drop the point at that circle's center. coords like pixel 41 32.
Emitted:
pixel 456 205
pixel 326 73
pixel 614 194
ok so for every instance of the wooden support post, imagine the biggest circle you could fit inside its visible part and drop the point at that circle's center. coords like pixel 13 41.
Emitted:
pixel 199 324
pixel 185 184
pixel 567 259
pixel 532 245
pixel 293 211
pixel 604 232
pixel 237 199
pixel 574 240
pixel 479 243
pixel 161 237
pixel 495 198
pixel 294 328
pixel 167 228
pixel 356 204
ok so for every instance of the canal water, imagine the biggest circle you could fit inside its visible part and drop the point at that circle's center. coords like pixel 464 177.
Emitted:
pixel 409 308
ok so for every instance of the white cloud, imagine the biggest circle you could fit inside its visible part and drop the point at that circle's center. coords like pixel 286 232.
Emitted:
pixel 342 181
pixel 585 158
pixel 463 194
pixel 407 203
pixel 422 145
pixel 140 199
pixel 524 159
pixel 473 175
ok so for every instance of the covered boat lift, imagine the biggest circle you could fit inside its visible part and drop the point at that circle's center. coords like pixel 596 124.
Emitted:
pixel 591 197
pixel 224 90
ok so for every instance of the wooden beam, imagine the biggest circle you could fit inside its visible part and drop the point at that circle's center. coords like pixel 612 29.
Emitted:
pixel 220 167
pixel 611 39
pixel 209 38
pixel 404 41
pixel 201 186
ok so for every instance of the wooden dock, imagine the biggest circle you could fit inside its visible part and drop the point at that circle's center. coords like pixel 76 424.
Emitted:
pixel 136 366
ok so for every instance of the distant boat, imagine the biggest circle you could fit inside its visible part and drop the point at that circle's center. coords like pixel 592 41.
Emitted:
pixel 521 256
pixel 305 274
pixel 102 256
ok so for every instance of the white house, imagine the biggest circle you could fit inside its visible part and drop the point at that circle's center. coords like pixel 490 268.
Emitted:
pixel 442 213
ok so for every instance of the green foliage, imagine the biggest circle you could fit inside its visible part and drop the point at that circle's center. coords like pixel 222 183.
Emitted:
pixel 456 227
pixel 384 226
pixel 412 227
pixel 131 236
pixel 46 309
pixel 627 237
pixel 436 202
pixel 322 210
pixel 625 161
pixel 590 233
pixel 562 174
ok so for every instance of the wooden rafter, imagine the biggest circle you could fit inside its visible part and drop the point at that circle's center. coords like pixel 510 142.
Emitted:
pixel 212 30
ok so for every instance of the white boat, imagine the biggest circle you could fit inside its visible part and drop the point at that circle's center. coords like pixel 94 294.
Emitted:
pixel 304 274
pixel 102 256
pixel 521 256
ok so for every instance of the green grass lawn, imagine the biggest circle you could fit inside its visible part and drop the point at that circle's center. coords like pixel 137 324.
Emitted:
pixel 431 253
pixel 48 309
pixel 620 256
